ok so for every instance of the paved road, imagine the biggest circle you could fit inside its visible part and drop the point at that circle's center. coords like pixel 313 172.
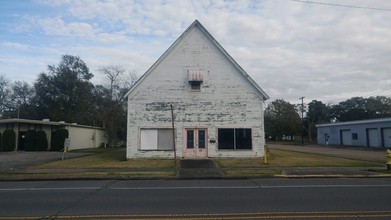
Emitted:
pixel 366 154
pixel 198 199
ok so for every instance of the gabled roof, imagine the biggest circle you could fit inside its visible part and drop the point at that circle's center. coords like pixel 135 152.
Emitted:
pixel 197 24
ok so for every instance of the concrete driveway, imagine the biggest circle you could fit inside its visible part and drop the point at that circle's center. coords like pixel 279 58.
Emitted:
pixel 19 160
pixel 358 153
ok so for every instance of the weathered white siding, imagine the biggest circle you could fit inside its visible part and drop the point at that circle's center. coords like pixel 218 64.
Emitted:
pixel 226 99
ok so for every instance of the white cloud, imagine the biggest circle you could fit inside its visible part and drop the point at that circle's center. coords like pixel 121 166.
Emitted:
pixel 291 49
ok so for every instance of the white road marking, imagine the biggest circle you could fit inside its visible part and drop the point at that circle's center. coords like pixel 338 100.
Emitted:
pixel 193 187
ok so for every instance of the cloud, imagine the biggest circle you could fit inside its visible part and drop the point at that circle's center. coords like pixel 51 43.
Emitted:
pixel 290 49
pixel 58 27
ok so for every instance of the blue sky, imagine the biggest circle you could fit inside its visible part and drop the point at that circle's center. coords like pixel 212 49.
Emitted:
pixel 321 49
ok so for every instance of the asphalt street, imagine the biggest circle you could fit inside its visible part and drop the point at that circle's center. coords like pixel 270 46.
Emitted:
pixel 197 199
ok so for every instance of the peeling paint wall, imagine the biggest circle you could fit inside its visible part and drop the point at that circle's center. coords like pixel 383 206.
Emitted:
pixel 226 100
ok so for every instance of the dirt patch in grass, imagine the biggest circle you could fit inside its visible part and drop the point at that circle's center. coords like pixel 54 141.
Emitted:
pixel 107 159
pixel 283 158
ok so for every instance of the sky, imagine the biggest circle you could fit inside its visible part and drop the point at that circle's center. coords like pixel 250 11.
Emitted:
pixel 326 50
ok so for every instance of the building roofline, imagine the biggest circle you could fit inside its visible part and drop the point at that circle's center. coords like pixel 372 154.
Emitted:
pixel 44 122
pixel 355 122
pixel 216 43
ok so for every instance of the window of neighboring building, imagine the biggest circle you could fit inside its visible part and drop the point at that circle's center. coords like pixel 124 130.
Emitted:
pixel 234 138
pixel 156 139
pixel 354 136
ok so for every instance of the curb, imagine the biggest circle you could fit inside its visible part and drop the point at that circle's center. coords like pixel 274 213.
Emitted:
pixel 231 177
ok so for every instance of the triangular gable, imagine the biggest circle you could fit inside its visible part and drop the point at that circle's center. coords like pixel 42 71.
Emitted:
pixel 195 24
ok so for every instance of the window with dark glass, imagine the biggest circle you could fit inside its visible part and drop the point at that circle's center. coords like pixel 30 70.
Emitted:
pixel 195 85
pixel 195 79
pixel 190 138
pixel 201 138
pixel 234 138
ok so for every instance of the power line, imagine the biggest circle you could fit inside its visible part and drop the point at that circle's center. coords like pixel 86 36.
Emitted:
pixel 342 5
pixel 380 91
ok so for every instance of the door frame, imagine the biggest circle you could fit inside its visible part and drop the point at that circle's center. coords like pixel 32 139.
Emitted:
pixel 196 152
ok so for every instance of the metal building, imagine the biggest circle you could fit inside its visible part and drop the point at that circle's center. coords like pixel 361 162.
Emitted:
pixel 371 133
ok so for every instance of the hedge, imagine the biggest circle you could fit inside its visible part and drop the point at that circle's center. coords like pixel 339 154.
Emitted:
pixel 58 139
pixel 41 141
pixel 30 140
pixel 8 141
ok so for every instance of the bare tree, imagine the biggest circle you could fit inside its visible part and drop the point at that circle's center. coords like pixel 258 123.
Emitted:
pixel 113 75
pixel 5 95
pixel 112 104
pixel 22 95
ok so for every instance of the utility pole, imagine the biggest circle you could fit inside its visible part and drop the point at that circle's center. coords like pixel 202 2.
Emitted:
pixel 302 117
pixel 173 134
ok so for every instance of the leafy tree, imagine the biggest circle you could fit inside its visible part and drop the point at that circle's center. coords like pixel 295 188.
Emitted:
pixel 317 113
pixel 281 118
pixel 359 108
pixel 65 92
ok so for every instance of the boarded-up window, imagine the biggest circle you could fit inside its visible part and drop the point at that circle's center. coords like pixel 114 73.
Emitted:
pixel 156 139
pixel 234 138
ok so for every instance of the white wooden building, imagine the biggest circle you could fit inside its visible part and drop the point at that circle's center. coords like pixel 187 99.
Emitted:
pixel 218 108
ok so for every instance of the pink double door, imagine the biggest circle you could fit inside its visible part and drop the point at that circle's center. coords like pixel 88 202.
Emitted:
pixel 195 143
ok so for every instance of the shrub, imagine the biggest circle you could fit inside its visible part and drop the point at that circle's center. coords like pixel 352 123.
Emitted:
pixel 41 143
pixel 58 139
pixel 30 140
pixel 8 140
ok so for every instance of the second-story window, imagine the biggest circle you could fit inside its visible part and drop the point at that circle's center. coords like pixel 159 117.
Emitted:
pixel 195 79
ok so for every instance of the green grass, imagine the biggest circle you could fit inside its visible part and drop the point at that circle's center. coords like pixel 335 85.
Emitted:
pixel 283 158
pixel 86 175
pixel 114 165
pixel 384 171
pixel 107 159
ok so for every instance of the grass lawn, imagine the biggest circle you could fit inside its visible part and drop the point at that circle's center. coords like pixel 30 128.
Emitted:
pixel 283 158
pixel 85 175
pixel 114 165
pixel 110 158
